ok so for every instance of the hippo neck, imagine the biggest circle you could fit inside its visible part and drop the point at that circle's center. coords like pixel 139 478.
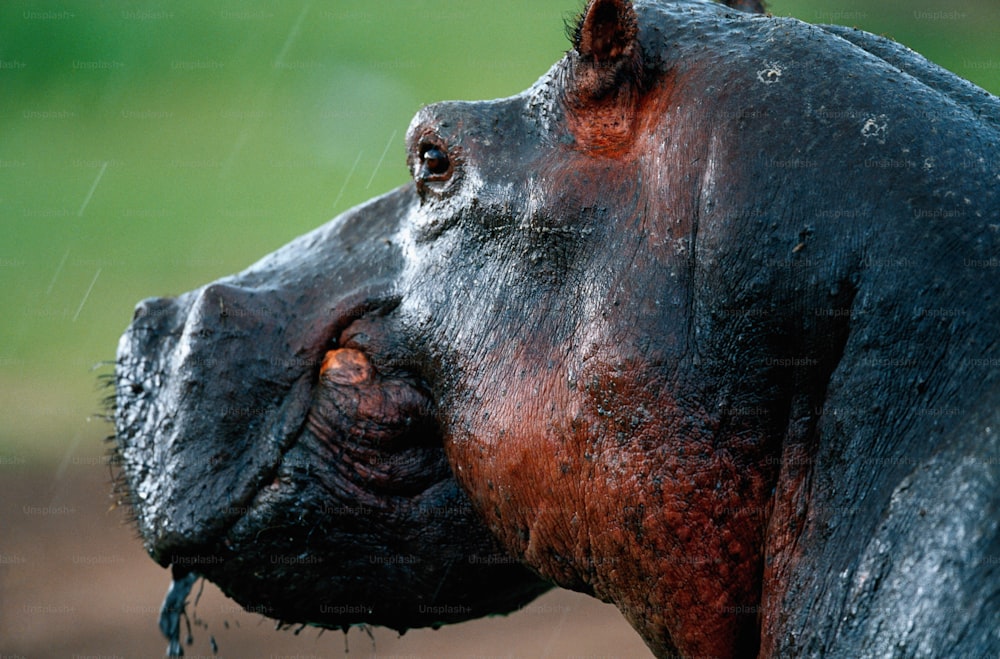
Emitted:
pixel 635 498
pixel 684 562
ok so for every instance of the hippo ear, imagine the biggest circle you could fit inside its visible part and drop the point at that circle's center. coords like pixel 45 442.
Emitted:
pixel 606 30
pixel 606 38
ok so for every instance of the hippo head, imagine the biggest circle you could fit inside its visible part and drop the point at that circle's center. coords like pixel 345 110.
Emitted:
pixel 590 343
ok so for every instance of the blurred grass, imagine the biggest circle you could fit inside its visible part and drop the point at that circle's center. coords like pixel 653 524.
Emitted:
pixel 146 149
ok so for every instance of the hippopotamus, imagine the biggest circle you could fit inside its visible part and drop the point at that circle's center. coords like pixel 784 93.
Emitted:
pixel 705 323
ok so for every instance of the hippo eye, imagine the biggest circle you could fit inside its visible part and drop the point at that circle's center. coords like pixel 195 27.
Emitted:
pixel 434 161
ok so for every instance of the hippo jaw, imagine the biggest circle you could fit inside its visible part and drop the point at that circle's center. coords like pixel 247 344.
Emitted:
pixel 262 449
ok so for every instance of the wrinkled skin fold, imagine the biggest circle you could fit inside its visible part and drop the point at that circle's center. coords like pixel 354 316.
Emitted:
pixel 704 324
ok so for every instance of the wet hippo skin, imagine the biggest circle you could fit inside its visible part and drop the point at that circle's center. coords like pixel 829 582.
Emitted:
pixel 704 323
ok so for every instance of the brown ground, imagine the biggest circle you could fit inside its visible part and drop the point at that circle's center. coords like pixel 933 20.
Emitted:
pixel 75 583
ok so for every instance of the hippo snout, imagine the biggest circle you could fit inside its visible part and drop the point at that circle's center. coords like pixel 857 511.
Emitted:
pixel 205 410
pixel 263 448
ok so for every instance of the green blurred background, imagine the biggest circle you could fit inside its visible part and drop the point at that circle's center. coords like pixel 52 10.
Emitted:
pixel 148 148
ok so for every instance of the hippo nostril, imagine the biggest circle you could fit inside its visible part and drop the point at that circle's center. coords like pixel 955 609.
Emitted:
pixel 154 307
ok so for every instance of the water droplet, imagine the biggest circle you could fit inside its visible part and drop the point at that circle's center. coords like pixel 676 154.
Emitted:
pixel 173 609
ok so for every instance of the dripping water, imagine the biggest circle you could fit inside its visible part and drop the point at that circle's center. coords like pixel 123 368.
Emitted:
pixel 172 610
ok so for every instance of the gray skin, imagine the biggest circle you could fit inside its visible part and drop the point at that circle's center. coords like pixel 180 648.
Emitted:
pixel 704 323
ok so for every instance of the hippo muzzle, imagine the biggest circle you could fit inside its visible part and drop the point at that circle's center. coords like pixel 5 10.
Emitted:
pixel 265 453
